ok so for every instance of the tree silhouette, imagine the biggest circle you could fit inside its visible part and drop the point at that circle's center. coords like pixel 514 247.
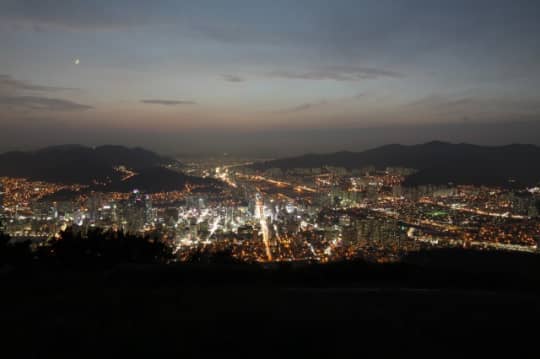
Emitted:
pixel 207 256
pixel 98 247
pixel 14 254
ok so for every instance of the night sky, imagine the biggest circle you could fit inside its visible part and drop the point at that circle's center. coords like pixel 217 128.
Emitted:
pixel 268 77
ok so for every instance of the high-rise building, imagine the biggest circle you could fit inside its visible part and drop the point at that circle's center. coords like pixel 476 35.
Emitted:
pixel 1 197
pixel 2 224
pixel 149 210
pixel 134 213
pixel 259 207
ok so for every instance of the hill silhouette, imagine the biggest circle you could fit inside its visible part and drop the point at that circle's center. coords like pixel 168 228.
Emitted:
pixel 159 179
pixel 70 164
pixel 76 163
pixel 436 162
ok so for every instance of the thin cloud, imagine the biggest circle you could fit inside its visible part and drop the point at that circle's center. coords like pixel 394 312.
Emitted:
pixel 461 102
pixel 41 103
pixel 72 14
pixel 233 78
pixel 10 85
pixel 359 96
pixel 485 108
pixel 338 73
pixel 302 107
pixel 437 101
pixel 310 105
pixel 168 102
pixel 455 101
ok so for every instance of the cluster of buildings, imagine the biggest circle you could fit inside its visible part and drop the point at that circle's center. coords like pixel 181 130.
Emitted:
pixel 318 214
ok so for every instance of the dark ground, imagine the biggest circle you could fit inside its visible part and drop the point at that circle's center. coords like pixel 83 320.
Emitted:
pixel 345 310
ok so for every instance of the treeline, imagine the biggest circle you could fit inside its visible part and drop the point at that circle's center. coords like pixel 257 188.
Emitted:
pixel 13 254
pixel 128 259
pixel 97 247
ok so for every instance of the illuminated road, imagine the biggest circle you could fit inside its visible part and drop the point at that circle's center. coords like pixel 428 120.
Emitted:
pixel 476 211
pixel 215 226
pixel 279 183
pixel 264 228
pixel 126 173
pixel 266 238
pixel 223 174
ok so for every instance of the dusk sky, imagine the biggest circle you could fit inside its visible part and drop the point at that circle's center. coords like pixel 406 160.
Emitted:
pixel 268 77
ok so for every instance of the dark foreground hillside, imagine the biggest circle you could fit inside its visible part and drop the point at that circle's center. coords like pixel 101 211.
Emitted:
pixel 340 310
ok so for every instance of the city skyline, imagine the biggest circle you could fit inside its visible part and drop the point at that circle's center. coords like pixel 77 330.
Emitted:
pixel 380 205
pixel 269 77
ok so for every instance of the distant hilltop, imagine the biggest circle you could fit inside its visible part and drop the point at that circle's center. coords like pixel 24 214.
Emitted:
pixel 435 163
pixel 108 167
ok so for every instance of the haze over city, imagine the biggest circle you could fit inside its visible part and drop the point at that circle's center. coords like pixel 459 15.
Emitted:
pixel 274 77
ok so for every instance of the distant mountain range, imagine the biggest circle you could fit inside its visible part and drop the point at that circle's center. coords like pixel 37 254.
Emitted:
pixel 70 164
pixel 435 162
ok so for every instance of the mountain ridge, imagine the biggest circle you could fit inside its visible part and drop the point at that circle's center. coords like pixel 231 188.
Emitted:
pixel 436 162
pixel 78 164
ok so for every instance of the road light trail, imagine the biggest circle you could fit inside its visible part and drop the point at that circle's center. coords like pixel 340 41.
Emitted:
pixel 264 228
pixel 266 239
pixel 214 227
